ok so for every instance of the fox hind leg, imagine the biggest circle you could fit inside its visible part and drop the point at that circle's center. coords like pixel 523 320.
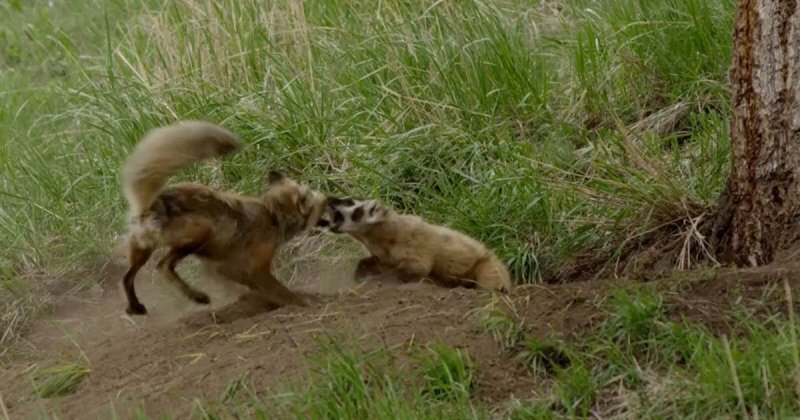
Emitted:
pixel 167 268
pixel 137 257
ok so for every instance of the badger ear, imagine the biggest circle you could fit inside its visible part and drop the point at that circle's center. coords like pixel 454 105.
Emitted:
pixel 334 202
pixel 376 211
pixel 275 177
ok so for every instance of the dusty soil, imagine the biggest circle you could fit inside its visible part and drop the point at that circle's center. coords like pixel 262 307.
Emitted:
pixel 178 353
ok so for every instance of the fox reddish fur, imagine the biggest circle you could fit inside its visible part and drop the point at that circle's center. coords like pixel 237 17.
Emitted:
pixel 235 236
pixel 411 248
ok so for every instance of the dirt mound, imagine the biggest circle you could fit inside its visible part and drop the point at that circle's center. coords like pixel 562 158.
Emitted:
pixel 719 299
pixel 178 353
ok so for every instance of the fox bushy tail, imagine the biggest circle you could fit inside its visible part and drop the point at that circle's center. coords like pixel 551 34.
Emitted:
pixel 166 150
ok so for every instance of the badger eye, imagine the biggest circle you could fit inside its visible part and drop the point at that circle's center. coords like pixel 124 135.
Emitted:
pixel 338 217
pixel 357 213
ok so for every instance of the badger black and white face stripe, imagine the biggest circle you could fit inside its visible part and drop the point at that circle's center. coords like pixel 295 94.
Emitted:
pixel 352 216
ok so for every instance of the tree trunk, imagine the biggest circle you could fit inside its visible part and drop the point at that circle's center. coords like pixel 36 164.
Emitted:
pixel 761 202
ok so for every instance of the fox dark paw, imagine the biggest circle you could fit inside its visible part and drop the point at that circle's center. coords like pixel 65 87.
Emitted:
pixel 136 309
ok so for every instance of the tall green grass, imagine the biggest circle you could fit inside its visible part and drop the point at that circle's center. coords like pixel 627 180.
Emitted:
pixel 544 133
pixel 57 192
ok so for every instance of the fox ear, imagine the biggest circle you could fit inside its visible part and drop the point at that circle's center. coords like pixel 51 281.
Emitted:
pixel 305 200
pixel 275 177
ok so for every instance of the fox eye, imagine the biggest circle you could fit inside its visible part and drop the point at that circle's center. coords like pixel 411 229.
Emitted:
pixel 338 218
pixel 357 213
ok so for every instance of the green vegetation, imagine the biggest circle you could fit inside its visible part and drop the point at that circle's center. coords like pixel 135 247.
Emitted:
pixel 544 129
pixel 346 383
pixel 59 380
pixel 448 373
pixel 642 364
pixel 500 321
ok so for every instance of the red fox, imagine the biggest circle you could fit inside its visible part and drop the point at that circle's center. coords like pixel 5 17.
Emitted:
pixel 234 235
pixel 410 248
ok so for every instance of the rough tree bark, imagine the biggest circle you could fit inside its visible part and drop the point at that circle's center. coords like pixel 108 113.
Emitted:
pixel 761 203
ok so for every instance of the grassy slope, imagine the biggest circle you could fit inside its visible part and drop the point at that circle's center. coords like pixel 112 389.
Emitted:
pixel 641 364
pixel 547 130
pixel 505 124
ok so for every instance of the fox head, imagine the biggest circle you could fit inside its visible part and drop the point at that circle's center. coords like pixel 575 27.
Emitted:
pixel 291 200
pixel 347 215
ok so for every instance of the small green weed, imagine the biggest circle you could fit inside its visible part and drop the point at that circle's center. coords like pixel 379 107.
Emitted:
pixel 59 380
pixel 543 356
pixel 447 373
pixel 536 410
pixel 636 318
pixel 504 327
pixel 576 388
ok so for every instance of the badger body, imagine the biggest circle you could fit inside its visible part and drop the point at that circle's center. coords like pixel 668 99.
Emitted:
pixel 410 248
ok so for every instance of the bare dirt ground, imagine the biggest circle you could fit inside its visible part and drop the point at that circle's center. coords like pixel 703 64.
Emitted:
pixel 177 354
